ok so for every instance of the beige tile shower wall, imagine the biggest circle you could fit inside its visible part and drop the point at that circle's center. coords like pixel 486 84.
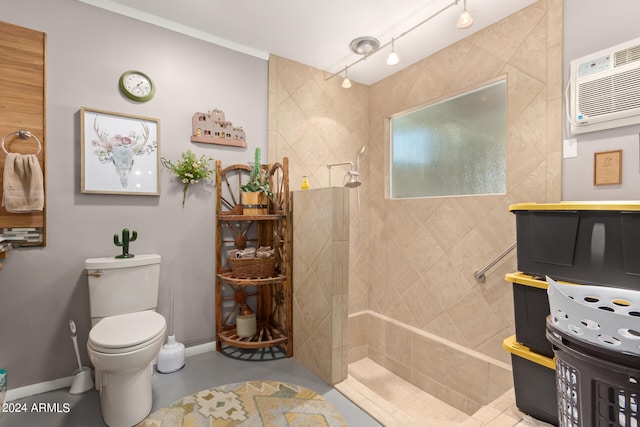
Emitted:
pixel 429 248
pixel 313 121
pixel 415 259
pixel 321 280
pixel 463 378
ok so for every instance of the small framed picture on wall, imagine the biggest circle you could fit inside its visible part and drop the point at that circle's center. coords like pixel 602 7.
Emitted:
pixel 607 169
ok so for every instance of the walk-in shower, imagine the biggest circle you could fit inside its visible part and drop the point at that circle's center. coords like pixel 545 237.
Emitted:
pixel 352 180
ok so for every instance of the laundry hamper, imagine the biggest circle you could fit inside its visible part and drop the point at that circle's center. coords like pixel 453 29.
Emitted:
pixel 595 334
pixel 596 386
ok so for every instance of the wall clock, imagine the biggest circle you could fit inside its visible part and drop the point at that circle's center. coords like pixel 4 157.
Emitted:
pixel 137 86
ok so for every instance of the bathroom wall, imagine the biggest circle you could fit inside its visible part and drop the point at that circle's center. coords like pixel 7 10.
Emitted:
pixel 428 249
pixel 463 378
pixel 87 50
pixel 313 121
pixel 416 258
pixel 592 25
pixel 321 281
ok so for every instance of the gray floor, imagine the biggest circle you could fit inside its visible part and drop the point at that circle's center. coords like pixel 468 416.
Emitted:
pixel 201 372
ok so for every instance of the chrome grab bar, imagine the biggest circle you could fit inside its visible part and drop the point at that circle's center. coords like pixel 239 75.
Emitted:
pixel 479 275
pixel 97 273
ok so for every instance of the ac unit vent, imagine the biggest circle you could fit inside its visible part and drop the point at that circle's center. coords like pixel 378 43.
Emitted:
pixel 627 56
pixel 605 89
pixel 611 94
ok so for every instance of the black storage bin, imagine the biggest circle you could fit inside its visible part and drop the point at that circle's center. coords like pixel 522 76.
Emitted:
pixel 596 386
pixel 586 243
pixel 534 382
pixel 531 308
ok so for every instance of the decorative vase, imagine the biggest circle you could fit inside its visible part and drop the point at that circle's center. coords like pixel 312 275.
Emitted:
pixel 254 203
pixel 246 325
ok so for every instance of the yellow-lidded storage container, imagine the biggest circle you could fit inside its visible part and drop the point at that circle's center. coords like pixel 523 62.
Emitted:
pixel 592 243
pixel 531 308
pixel 534 381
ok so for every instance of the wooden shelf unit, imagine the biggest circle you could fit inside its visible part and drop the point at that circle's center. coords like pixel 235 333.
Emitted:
pixel 270 298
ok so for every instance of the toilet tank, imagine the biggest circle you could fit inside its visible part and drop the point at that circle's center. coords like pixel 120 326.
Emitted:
pixel 122 285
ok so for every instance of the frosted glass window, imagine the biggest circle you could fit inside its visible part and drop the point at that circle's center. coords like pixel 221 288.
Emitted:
pixel 453 148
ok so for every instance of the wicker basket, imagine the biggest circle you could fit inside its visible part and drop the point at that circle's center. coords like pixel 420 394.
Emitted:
pixel 253 268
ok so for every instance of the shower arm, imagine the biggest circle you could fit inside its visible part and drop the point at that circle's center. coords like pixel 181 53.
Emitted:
pixel 330 165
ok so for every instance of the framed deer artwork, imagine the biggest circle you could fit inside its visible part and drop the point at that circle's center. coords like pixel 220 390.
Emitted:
pixel 120 153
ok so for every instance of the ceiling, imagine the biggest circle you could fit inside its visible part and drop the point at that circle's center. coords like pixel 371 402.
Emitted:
pixel 318 33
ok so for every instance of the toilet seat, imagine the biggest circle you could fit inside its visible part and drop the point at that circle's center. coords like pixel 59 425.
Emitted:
pixel 127 332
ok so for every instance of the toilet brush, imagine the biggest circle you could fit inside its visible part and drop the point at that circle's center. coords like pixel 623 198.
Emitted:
pixel 82 379
pixel 171 355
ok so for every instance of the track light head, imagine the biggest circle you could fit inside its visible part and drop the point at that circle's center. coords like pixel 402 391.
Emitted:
pixel 393 58
pixel 465 20
pixel 346 83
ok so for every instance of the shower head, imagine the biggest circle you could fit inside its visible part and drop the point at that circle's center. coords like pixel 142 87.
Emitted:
pixel 354 173
pixel 353 179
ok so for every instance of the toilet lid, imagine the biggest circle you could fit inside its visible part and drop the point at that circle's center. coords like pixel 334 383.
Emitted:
pixel 127 330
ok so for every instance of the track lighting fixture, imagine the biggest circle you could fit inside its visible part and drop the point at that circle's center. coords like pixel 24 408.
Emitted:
pixel 393 58
pixel 364 45
pixel 367 45
pixel 465 20
pixel 346 83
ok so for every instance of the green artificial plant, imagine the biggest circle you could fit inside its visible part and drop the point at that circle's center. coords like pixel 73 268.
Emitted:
pixel 258 177
pixel 126 238
pixel 190 170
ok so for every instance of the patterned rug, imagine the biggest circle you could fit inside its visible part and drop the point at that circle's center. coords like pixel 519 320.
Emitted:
pixel 250 404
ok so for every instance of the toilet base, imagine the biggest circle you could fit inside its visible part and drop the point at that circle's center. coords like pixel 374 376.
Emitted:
pixel 125 398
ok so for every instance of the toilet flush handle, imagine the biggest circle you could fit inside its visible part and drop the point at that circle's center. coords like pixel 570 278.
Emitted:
pixel 96 273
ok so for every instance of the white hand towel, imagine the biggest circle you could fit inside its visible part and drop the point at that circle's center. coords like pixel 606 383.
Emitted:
pixel 23 184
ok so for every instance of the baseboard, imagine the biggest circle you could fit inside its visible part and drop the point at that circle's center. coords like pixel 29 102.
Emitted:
pixel 199 349
pixel 33 389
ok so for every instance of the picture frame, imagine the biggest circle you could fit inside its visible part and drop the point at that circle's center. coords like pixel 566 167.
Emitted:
pixel 120 153
pixel 607 168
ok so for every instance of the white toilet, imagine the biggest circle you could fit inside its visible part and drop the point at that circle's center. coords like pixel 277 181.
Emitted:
pixel 126 334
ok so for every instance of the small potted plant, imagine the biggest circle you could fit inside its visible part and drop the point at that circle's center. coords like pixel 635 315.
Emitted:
pixel 256 191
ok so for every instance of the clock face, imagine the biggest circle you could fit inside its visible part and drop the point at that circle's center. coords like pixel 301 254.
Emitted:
pixel 137 86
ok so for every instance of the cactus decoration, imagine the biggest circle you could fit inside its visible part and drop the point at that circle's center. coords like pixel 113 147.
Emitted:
pixel 126 238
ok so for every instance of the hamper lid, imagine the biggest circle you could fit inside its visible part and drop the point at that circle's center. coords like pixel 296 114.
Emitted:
pixel 602 315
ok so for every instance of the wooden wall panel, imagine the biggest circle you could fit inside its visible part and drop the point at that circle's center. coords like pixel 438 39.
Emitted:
pixel 22 105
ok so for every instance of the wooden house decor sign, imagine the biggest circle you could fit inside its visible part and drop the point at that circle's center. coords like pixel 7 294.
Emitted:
pixel 213 128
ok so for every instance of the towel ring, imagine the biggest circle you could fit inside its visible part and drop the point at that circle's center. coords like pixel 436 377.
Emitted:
pixel 22 134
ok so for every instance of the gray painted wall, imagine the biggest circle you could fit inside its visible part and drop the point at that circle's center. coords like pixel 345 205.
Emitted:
pixel 589 26
pixel 87 50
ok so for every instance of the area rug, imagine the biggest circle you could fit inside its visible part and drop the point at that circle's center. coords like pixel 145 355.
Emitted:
pixel 249 404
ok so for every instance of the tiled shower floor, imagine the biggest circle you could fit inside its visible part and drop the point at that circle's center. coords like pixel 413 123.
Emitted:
pixel 394 402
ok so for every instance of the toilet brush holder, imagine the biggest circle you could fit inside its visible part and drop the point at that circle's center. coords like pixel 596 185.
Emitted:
pixel 82 380
pixel 171 356
pixel 82 377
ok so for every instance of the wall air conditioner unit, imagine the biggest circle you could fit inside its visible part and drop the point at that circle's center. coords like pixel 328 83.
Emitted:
pixel 605 89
